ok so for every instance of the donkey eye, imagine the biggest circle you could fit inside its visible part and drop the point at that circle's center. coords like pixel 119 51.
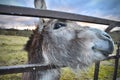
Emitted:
pixel 59 25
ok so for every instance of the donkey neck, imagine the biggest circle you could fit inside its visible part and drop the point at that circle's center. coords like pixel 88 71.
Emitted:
pixel 53 74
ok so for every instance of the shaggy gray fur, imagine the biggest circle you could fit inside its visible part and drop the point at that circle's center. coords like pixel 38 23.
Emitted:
pixel 74 46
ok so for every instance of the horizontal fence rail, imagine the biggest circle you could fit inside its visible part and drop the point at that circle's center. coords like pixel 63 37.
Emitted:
pixel 32 67
pixel 31 12
pixel 26 68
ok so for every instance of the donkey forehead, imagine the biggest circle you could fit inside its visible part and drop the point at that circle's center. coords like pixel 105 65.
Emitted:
pixel 72 26
pixel 91 32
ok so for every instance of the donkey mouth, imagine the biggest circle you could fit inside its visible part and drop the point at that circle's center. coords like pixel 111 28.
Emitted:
pixel 105 53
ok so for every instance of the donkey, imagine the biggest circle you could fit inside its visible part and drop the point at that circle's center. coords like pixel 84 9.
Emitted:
pixel 64 42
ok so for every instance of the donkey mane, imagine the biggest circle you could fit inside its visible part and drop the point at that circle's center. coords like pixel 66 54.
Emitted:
pixel 32 40
pixel 33 45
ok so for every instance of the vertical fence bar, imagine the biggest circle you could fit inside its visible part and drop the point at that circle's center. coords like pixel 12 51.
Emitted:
pixel 116 61
pixel 96 71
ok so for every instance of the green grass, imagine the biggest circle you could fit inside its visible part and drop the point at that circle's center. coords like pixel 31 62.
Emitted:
pixel 11 50
pixel 106 72
pixel 12 53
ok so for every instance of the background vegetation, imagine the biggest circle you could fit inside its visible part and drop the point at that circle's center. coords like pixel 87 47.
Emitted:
pixel 11 53
pixel 14 32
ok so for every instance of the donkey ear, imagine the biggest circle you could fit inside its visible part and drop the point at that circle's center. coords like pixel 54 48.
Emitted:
pixel 40 4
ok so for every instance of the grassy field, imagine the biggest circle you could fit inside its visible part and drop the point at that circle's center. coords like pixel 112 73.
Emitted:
pixel 12 53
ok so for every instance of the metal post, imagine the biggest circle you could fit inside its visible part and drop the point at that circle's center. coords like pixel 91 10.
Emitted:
pixel 96 72
pixel 110 27
pixel 116 61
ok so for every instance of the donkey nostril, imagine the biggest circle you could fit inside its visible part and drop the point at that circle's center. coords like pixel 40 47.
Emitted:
pixel 106 35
